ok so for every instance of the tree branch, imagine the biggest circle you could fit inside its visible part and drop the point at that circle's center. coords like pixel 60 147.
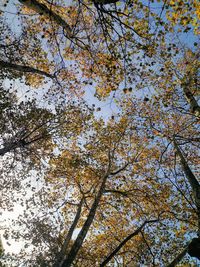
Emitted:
pixel 8 148
pixel 21 68
pixel 105 2
pixel 189 174
pixel 191 179
pixel 136 232
pixel 123 193
pixel 120 169
pixel 178 258
pixel 42 9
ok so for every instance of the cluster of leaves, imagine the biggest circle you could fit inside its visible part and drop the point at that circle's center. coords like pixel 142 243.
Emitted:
pixel 117 192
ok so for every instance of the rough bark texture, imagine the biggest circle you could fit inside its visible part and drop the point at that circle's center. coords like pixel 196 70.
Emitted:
pixel 194 247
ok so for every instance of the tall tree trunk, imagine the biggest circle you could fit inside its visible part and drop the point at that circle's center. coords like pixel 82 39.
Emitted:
pixel 84 230
pixel 61 256
pixel 192 180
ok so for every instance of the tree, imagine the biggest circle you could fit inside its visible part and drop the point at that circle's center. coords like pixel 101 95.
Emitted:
pixel 99 179
pixel 28 137
pixel 124 191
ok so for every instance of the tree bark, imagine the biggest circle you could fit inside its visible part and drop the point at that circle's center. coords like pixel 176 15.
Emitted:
pixel 82 234
pixel 21 68
pixel 62 253
pixel 192 180
pixel 42 9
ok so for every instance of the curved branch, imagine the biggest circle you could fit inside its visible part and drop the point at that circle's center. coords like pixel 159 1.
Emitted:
pixel 136 232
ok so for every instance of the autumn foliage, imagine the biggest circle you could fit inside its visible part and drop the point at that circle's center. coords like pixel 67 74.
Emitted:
pixel 99 134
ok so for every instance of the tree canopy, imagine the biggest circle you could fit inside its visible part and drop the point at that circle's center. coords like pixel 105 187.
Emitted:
pixel 99 139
